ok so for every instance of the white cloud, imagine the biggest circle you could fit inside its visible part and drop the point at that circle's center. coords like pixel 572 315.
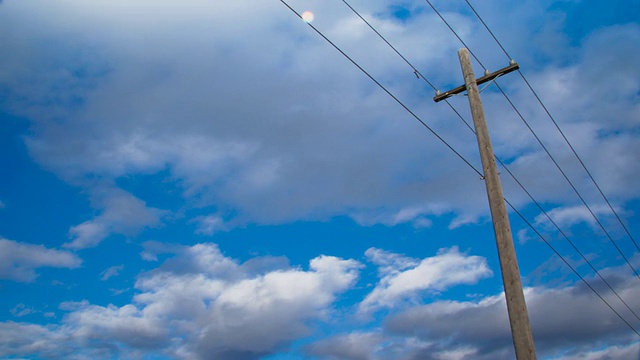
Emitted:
pixel 255 316
pixel 302 134
pixel 88 234
pixel 151 250
pixel 599 122
pixel 377 345
pixel 272 144
pixel 557 318
pixel 197 305
pixel 568 323
pixel 630 351
pixel 21 310
pixel 354 346
pixel 18 339
pixel 210 224
pixel 417 216
pixel 573 215
pixel 73 305
pixel 404 278
pixel 121 213
pixel 126 325
pixel 19 261
pixel 201 304
pixel 111 272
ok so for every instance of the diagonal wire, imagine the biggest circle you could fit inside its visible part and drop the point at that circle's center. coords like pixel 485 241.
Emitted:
pixel 570 183
pixel 415 70
pixel 572 268
pixel 385 90
pixel 504 166
pixel 489 30
pixel 455 33
pixel 424 124
pixel 515 179
pixel 557 127
pixel 545 149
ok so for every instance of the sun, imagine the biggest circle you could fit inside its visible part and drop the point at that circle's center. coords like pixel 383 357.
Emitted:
pixel 307 16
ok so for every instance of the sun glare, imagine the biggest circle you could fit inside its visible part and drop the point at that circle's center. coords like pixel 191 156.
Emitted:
pixel 307 16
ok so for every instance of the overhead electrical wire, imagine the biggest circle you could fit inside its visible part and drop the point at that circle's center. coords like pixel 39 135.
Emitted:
pixel 546 214
pixel 517 181
pixel 574 270
pixel 543 147
pixel 455 33
pixel 446 143
pixel 415 116
pixel 600 224
pixel 555 123
pixel 489 30
pixel 415 70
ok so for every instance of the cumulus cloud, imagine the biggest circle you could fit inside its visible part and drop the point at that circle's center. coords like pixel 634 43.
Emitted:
pixel 557 316
pixel 200 304
pixel 119 89
pixel 404 278
pixel 266 139
pixel 197 305
pixel 125 325
pixel 18 338
pixel 300 134
pixel 256 316
pixel 568 322
pixel 19 261
pixel 557 319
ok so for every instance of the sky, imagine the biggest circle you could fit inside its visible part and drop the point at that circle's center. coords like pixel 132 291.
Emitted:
pixel 206 179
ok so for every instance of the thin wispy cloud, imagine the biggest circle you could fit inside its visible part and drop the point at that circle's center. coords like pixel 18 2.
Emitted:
pixel 20 261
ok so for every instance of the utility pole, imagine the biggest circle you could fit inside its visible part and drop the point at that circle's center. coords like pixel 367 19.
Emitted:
pixel 516 306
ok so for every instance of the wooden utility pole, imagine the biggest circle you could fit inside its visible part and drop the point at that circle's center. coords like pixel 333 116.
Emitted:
pixel 516 306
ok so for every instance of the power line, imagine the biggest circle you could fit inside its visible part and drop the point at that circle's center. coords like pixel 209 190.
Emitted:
pixel 565 237
pixel 511 174
pixel 544 107
pixel 544 148
pixel 489 30
pixel 570 183
pixel 415 70
pixel 559 168
pixel 384 89
pixel 455 33
pixel 460 156
pixel 572 268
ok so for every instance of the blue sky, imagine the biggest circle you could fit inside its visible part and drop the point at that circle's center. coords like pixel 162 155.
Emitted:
pixel 213 180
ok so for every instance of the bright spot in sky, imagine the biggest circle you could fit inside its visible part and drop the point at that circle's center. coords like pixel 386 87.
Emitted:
pixel 307 16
